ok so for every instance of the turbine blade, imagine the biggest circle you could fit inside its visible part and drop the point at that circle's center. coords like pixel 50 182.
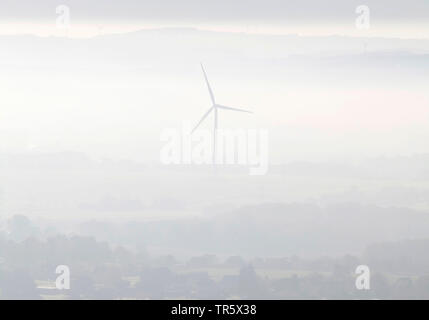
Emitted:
pixel 202 119
pixel 233 109
pixel 208 85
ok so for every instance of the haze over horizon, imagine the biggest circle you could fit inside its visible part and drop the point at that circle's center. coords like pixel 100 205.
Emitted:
pixel 339 120
pixel 100 172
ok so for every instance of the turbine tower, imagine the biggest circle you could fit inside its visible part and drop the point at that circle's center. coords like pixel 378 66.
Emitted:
pixel 215 107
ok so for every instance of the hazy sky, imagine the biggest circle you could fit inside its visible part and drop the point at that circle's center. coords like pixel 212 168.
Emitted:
pixel 388 18
pixel 221 10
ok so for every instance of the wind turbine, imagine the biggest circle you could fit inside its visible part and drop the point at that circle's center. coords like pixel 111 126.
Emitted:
pixel 215 107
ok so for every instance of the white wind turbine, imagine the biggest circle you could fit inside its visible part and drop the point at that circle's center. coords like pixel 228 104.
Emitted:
pixel 214 108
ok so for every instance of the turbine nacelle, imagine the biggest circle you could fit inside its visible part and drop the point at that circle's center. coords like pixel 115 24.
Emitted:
pixel 214 106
